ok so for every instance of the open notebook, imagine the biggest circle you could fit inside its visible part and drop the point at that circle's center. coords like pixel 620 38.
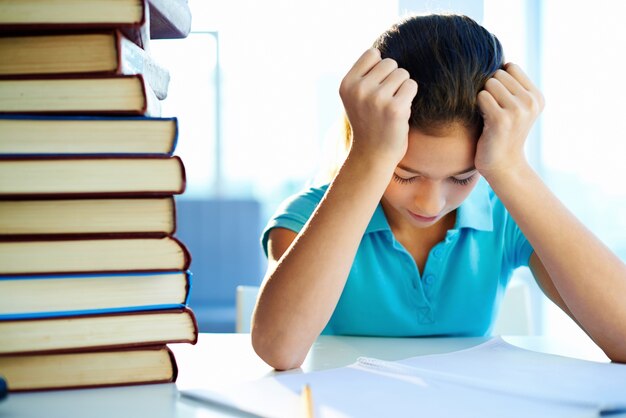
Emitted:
pixel 494 379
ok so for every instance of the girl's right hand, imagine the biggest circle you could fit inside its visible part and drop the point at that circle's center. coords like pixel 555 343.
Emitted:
pixel 377 96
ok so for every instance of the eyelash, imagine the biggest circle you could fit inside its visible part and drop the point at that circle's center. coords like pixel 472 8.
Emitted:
pixel 463 182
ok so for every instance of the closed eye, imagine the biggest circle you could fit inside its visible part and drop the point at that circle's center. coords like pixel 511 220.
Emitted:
pixel 402 180
pixel 462 182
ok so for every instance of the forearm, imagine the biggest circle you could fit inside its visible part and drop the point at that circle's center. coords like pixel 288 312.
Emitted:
pixel 589 278
pixel 300 294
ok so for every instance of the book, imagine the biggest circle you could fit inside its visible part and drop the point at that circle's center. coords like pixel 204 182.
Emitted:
pixel 93 53
pixel 24 372
pixel 53 54
pixel 44 296
pixel 121 95
pixel 102 135
pixel 165 18
pixel 70 14
pixel 82 332
pixel 91 176
pixel 3 388
pixel 169 19
pixel 88 217
pixel 74 255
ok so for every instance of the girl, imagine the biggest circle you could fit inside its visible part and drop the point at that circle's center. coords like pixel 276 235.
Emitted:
pixel 433 208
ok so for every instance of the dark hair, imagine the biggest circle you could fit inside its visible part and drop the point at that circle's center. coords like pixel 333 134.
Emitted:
pixel 451 57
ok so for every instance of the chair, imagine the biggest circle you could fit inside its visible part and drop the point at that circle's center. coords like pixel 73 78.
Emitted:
pixel 245 299
pixel 515 316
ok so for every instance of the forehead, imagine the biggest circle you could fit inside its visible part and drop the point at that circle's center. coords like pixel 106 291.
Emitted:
pixel 440 154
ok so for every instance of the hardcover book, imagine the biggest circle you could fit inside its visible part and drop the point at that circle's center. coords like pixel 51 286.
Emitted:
pixel 54 14
pixel 141 20
pixel 102 135
pixel 102 331
pixel 121 95
pixel 72 255
pixel 43 296
pixel 24 372
pixel 93 53
pixel 91 176
pixel 169 19
pixel 88 217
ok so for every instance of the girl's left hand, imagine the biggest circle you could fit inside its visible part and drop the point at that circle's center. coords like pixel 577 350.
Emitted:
pixel 509 104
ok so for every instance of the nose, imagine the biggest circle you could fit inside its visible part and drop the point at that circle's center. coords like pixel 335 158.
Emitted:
pixel 429 199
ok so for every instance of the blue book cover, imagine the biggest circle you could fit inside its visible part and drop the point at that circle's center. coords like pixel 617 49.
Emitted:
pixel 45 135
pixel 3 388
pixel 48 296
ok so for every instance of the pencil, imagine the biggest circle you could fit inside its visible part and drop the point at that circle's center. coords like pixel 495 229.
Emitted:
pixel 307 402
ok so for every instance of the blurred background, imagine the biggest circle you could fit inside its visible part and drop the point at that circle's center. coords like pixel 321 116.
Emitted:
pixel 255 87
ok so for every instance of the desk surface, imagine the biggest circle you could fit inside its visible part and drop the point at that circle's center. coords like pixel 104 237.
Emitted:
pixel 220 359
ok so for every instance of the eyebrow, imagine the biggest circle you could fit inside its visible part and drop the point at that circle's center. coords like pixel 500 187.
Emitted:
pixel 410 170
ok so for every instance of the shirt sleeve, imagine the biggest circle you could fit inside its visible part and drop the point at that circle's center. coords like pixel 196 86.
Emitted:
pixel 294 212
pixel 517 248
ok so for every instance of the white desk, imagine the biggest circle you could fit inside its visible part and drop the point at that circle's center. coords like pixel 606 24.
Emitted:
pixel 220 359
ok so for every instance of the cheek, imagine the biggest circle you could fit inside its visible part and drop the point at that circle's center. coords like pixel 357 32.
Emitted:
pixel 458 194
pixel 395 193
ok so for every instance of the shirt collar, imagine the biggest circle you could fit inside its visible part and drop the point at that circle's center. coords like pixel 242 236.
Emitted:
pixel 475 212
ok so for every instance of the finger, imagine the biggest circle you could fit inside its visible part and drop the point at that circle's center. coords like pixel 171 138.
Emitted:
pixel 501 94
pixel 366 61
pixel 510 83
pixel 535 98
pixel 379 73
pixel 487 104
pixel 392 83
pixel 518 74
pixel 407 91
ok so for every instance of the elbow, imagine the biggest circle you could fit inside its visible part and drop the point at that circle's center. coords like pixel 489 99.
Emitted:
pixel 276 353
pixel 618 359
pixel 614 349
pixel 616 356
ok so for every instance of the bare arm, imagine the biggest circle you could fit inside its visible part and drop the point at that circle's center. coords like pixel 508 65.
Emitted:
pixel 590 280
pixel 306 275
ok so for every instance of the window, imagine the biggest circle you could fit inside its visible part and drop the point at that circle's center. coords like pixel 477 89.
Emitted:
pixel 584 148
pixel 192 98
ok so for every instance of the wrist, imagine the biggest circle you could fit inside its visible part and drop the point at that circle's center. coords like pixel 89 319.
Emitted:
pixel 378 162
pixel 370 168
pixel 509 177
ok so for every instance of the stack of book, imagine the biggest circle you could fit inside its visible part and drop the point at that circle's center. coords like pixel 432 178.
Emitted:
pixel 93 284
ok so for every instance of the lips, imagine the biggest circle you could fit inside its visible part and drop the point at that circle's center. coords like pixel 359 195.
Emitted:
pixel 423 218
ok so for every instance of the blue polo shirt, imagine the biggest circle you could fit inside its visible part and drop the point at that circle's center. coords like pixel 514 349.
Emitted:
pixel 464 278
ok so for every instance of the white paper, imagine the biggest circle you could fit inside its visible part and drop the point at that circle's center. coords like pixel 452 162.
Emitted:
pixel 499 366
pixel 494 379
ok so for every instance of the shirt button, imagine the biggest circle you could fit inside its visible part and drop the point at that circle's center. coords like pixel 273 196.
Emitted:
pixel 429 279
pixel 425 316
pixel 437 253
